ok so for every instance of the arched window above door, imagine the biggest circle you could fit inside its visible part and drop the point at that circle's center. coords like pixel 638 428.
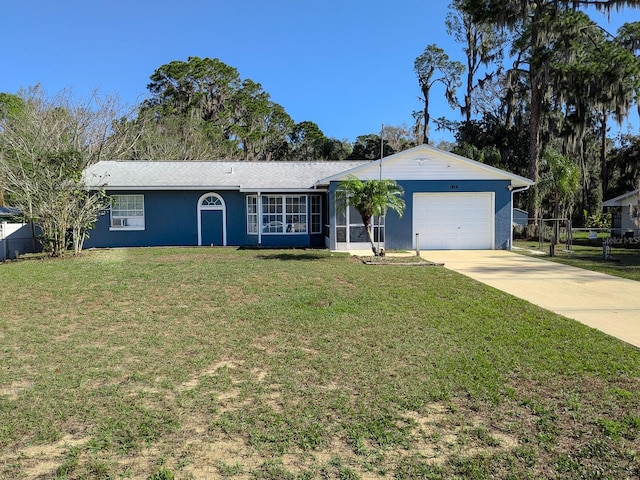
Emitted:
pixel 212 201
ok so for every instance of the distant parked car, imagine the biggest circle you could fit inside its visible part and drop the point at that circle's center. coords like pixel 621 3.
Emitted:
pixel 275 226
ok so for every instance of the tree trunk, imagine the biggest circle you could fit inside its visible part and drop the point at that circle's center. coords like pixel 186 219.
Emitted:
pixel 367 227
pixel 604 170
pixel 535 72
pixel 534 152
pixel 468 96
pixel 425 136
pixel 556 223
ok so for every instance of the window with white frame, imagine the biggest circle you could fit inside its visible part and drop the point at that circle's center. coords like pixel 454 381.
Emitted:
pixel 211 202
pixel 272 217
pixel 296 213
pixel 277 214
pixel 316 214
pixel 127 212
pixel 252 214
pixel 350 228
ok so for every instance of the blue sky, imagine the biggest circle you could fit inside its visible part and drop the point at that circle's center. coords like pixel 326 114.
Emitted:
pixel 345 64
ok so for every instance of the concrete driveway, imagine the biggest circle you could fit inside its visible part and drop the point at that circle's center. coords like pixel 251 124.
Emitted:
pixel 608 303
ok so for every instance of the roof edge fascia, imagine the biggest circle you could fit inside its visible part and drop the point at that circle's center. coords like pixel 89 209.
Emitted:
pixel 165 187
pixel 208 187
pixel 612 202
pixel 282 190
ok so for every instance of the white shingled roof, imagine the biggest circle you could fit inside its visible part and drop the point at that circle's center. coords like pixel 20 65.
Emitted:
pixel 247 176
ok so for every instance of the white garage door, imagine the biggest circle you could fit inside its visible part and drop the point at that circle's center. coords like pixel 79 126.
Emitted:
pixel 453 221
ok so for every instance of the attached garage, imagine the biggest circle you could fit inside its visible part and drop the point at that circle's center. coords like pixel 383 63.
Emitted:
pixel 454 220
pixel 452 203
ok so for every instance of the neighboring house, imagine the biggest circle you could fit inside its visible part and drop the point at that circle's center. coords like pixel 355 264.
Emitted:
pixel 15 238
pixel 626 214
pixel 8 213
pixel 520 217
pixel 452 203
pixel 520 221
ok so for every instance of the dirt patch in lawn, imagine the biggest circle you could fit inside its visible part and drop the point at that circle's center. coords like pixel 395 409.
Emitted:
pixel 399 260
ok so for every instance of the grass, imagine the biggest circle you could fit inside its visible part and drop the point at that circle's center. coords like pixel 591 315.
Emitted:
pixel 249 364
pixel 622 262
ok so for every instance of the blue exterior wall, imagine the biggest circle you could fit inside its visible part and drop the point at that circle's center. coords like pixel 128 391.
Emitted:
pixel 171 219
pixel 399 231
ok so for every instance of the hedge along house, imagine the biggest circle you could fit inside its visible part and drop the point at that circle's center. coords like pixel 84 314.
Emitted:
pixel 451 203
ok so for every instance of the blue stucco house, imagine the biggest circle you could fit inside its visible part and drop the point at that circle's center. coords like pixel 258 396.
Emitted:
pixel 451 203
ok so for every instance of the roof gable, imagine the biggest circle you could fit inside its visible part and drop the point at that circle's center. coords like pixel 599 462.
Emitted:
pixel 623 200
pixel 428 163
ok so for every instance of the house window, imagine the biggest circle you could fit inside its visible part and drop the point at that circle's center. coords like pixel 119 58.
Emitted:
pixel 284 214
pixel 211 202
pixel 316 214
pixel 272 219
pixel 296 213
pixel 252 214
pixel 127 212
pixel 350 228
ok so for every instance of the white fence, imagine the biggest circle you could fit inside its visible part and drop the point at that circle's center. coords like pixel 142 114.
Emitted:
pixel 15 239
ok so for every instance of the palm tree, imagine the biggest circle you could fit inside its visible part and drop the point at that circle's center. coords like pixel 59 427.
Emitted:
pixel 370 198
pixel 560 179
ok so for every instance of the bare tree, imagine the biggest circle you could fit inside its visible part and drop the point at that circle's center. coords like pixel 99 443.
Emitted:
pixel 45 145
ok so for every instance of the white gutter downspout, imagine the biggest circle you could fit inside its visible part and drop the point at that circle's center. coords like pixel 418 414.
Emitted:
pixel 259 218
pixel 517 190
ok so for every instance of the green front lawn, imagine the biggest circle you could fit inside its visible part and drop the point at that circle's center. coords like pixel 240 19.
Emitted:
pixel 622 262
pixel 288 364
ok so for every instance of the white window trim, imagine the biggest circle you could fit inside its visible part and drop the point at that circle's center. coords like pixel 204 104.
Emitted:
pixel 129 228
pixel 257 215
pixel 283 214
pixel 313 214
pixel 376 222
